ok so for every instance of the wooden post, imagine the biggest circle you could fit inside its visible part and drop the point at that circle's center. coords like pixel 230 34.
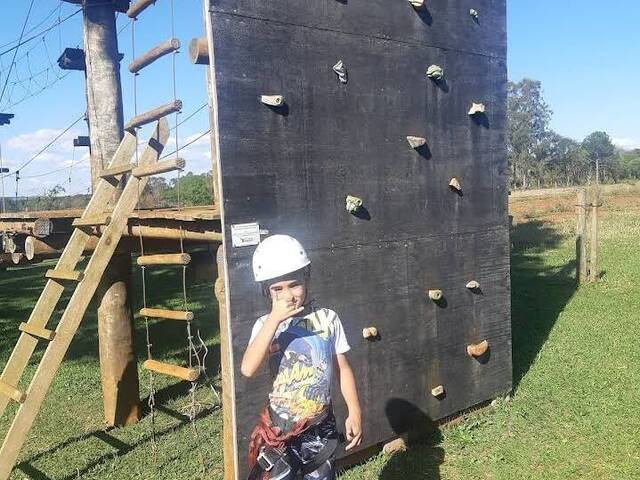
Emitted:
pixel 581 238
pixel 118 364
pixel 593 261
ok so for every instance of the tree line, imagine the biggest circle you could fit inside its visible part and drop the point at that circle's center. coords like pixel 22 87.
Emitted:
pixel 539 157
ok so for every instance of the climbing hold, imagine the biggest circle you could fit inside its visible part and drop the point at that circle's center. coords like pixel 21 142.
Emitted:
pixel 435 295
pixel 455 185
pixel 473 285
pixel 417 3
pixel 474 14
pixel 416 142
pixel 437 391
pixel 477 108
pixel 369 332
pixel 353 204
pixel 272 100
pixel 341 71
pixel 397 445
pixel 434 72
pixel 477 349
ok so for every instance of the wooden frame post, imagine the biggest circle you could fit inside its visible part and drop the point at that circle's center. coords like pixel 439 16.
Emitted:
pixel 593 261
pixel 118 365
pixel 581 237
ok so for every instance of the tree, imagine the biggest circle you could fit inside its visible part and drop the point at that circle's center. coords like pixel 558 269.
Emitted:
pixel 528 117
pixel 600 151
pixel 191 190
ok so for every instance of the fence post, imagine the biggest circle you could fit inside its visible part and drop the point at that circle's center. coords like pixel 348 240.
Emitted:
pixel 593 261
pixel 581 237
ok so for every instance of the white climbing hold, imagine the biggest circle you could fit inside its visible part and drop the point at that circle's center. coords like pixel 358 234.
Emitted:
pixel 435 72
pixel 455 184
pixel 474 14
pixel 416 142
pixel 435 295
pixel 340 70
pixel 477 108
pixel 272 100
pixel 369 332
pixel 353 204
pixel 473 285
pixel 437 391
pixel 417 3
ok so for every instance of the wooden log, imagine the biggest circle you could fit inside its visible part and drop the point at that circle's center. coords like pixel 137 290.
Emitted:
pixel 165 259
pixel 36 331
pixel 581 238
pixel 117 170
pixel 159 168
pixel 150 56
pixel 18 258
pixel 12 392
pixel 593 260
pixel 199 51
pixel 64 275
pixel 92 221
pixel 172 234
pixel 138 7
pixel 154 115
pixel 186 374
pixel 167 314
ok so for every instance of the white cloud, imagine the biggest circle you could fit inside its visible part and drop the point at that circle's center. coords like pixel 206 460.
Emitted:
pixel 626 143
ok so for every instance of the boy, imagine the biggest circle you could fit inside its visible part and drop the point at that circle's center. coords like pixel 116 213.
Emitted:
pixel 296 434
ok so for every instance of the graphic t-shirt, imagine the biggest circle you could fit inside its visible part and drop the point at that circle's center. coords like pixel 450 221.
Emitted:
pixel 301 361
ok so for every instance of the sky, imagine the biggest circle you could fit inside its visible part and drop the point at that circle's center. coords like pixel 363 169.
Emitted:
pixel 585 55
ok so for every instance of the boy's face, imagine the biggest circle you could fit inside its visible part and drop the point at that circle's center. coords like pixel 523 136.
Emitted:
pixel 292 291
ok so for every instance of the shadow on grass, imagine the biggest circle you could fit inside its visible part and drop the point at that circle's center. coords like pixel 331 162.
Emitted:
pixel 539 293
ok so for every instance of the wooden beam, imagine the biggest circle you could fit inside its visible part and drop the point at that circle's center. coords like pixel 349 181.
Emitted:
pixel 117 170
pixel 37 331
pixel 153 115
pixel 92 220
pixel 173 234
pixel 12 392
pixel 164 259
pixel 150 56
pixel 64 275
pixel 167 314
pixel 186 374
pixel 199 51
pixel 138 7
pixel 159 168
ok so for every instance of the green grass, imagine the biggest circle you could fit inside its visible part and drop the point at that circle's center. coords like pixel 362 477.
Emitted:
pixel 69 439
pixel 572 413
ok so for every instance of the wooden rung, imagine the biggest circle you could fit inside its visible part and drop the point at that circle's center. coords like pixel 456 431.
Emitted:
pixel 154 54
pixel 166 314
pixel 157 168
pixel 92 221
pixel 186 374
pixel 165 259
pixel 117 170
pixel 12 392
pixel 37 331
pixel 153 115
pixel 69 275
pixel 138 7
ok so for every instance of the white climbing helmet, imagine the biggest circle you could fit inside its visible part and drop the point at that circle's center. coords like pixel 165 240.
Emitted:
pixel 278 255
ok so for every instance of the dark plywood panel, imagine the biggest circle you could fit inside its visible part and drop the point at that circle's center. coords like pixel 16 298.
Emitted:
pixel 333 139
pixel 442 23
pixel 291 168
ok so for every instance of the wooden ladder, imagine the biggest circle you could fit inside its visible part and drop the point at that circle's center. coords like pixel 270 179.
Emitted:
pixel 35 329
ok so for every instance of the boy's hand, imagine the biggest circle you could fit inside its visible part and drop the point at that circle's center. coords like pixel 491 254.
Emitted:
pixel 282 309
pixel 353 429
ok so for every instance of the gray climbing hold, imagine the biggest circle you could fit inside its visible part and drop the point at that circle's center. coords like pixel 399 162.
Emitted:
pixel 272 100
pixel 435 295
pixel 340 70
pixel 434 72
pixel 474 14
pixel 416 142
pixel 353 204
pixel 473 285
pixel 477 108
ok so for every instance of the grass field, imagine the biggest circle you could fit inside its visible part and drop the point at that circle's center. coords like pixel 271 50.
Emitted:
pixel 571 415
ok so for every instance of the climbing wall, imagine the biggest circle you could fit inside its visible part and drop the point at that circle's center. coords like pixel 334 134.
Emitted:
pixel 315 101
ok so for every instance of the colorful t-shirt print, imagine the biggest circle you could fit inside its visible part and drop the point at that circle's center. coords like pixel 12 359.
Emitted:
pixel 301 362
